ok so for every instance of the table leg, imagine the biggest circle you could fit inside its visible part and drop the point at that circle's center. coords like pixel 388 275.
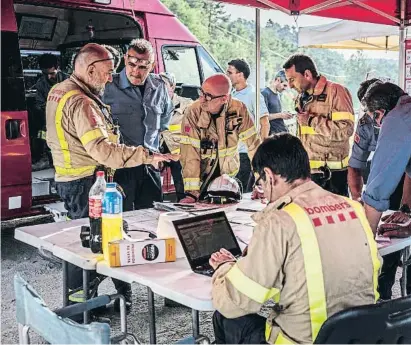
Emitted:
pixel 86 287
pixel 65 286
pixel 405 257
pixel 195 319
pixel 151 316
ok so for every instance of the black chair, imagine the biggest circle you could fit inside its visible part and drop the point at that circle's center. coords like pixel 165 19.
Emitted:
pixel 383 323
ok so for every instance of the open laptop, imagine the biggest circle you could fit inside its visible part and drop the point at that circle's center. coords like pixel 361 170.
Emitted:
pixel 204 235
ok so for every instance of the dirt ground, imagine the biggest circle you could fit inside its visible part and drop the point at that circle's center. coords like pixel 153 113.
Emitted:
pixel 17 257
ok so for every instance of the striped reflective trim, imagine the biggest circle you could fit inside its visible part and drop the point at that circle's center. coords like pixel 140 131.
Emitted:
pixel 174 128
pixel 331 164
pixel 247 134
pixel 77 297
pixel 59 127
pixel 282 339
pixel 75 171
pixel 212 155
pixel 342 115
pixel 313 267
pixel 233 173
pixel 42 135
pixel 307 130
pixel 250 288
pixel 230 151
pixel 190 141
pixel 192 183
pixel 359 211
pixel 91 135
pixel 175 152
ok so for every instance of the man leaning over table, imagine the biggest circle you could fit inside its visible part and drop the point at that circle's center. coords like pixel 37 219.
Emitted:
pixel 301 217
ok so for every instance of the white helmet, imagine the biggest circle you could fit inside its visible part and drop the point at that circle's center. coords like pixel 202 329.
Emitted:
pixel 224 189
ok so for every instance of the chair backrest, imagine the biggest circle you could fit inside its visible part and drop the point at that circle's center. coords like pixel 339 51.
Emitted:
pixel 32 312
pixel 382 323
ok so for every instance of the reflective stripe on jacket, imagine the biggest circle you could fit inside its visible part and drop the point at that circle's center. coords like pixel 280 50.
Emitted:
pixel 171 137
pixel 81 136
pixel 331 123
pixel 313 257
pixel 202 141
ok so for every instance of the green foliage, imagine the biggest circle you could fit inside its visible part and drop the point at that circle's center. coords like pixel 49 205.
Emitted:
pixel 227 39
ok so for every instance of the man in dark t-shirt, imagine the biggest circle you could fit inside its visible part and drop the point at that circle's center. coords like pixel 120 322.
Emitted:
pixel 272 99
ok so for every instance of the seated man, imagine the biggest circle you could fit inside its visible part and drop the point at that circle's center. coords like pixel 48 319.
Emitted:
pixel 211 130
pixel 312 252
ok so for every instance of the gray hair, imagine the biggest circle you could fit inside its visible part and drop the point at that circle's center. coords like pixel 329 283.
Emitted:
pixel 142 46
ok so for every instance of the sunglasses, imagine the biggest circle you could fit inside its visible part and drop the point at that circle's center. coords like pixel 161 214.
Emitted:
pixel 134 62
pixel 207 96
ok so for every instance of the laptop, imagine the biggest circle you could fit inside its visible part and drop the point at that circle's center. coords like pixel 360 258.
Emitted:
pixel 204 235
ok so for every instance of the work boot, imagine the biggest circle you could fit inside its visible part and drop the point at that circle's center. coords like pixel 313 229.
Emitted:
pixel 124 290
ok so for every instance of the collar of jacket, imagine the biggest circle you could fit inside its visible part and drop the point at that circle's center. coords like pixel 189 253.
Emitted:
pixel 284 200
pixel 88 92
pixel 124 83
pixel 320 86
pixel 205 116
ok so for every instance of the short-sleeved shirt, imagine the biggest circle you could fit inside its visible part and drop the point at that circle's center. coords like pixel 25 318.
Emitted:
pixel 392 156
pixel 273 101
pixel 141 117
pixel 247 96
pixel 365 142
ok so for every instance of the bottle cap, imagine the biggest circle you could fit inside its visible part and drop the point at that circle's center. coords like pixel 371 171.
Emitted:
pixel 100 173
pixel 111 185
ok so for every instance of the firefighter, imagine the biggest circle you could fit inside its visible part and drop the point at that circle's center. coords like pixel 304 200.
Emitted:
pixel 82 137
pixel 325 122
pixel 170 139
pixel 211 131
pixel 312 252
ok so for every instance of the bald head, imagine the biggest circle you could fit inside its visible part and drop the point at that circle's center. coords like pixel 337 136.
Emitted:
pixel 88 54
pixel 218 84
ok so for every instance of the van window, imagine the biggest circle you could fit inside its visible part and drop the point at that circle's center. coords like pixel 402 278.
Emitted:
pixel 182 61
pixel 208 64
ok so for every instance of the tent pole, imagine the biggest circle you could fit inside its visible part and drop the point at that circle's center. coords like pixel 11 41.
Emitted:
pixel 257 68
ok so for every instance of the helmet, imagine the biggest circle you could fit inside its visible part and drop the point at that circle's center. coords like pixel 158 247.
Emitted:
pixel 223 190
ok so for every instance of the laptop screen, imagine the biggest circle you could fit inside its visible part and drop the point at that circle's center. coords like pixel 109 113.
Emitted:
pixel 204 235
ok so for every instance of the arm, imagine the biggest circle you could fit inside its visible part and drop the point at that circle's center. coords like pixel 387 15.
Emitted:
pixel 167 112
pixel 247 132
pixel 355 183
pixel 406 191
pixel 230 297
pixel 341 125
pixel 264 127
pixel 190 152
pixel 41 96
pixel 92 132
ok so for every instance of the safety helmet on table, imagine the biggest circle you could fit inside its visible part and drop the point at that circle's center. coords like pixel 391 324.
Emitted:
pixel 224 189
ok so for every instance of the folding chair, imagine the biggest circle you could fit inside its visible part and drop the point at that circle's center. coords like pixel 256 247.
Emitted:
pixel 383 323
pixel 55 327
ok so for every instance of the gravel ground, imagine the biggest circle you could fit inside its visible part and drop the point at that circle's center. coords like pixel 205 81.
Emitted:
pixel 17 257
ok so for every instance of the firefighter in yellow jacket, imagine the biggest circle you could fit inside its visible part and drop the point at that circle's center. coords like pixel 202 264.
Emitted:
pixel 312 253
pixel 211 130
pixel 325 122
pixel 81 136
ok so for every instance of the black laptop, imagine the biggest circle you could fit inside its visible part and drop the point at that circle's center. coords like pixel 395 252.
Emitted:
pixel 204 235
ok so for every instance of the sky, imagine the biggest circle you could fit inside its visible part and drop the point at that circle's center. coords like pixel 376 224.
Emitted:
pixel 248 13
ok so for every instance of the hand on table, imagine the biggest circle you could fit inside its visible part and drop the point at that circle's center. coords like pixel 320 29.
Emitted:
pixel 190 199
pixel 396 217
pixel 258 194
pixel 392 226
pixel 221 257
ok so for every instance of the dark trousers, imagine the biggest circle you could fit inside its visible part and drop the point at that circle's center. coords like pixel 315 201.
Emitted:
pixel 75 197
pixel 176 172
pixel 245 174
pixel 248 329
pixel 142 186
pixel 337 184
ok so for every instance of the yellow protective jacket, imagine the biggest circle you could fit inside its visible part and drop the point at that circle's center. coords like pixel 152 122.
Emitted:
pixel 203 142
pixel 171 137
pixel 331 123
pixel 81 136
pixel 313 253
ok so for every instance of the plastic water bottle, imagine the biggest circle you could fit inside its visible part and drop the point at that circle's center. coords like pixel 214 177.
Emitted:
pixel 95 204
pixel 112 217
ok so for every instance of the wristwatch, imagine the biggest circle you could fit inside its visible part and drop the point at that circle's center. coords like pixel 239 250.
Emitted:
pixel 405 209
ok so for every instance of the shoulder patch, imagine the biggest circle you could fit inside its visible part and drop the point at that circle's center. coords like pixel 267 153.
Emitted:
pixel 357 138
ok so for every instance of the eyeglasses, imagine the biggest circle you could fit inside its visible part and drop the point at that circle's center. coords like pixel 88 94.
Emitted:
pixel 134 61
pixel 101 60
pixel 207 96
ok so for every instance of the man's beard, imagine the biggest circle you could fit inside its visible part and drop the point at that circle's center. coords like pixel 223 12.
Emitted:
pixel 98 89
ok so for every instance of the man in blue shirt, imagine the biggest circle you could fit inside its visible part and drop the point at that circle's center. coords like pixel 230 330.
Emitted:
pixel 141 106
pixel 390 109
pixel 238 71
pixel 273 100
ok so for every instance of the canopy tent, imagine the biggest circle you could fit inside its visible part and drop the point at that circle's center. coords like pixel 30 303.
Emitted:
pixel 347 34
pixel 389 12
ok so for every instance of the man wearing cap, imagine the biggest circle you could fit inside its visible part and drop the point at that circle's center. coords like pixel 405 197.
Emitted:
pixel 170 139
pixel 141 106
pixel 272 97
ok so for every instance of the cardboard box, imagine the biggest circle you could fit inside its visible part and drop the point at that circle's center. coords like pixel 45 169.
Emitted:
pixel 126 253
